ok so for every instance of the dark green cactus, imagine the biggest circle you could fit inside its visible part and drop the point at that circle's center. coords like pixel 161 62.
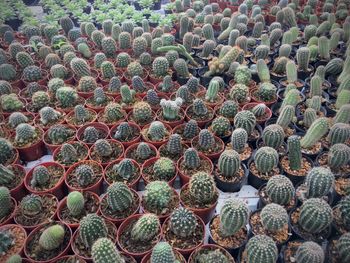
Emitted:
pixel 183 222
pixel 310 252
pixel 280 190
pixel 261 249
pixel 266 159
pixel 319 181
pixel 316 131
pixel 273 136
pixel 245 119
pixel 202 188
pixel 104 251
pixel 119 197
pixel 146 228
pixel 92 227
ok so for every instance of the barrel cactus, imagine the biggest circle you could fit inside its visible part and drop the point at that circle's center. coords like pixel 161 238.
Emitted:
pixel 319 181
pixel 92 227
pixel 104 251
pixel 280 190
pixel 183 222
pixel 274 217
pixel 229 163
pixel 266 159
pixel 146 228
pixel 310 252
pixel 261 249
pixel 202 188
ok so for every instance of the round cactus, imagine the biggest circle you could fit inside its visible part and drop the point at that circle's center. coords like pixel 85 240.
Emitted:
pixel 274 217
pixel 266 159
pixel 146 228
pixel 221 126
pixel 319 181
pixel 75 203
pixel 84 174
pixel 157 196
pixel 310 252
pixel 280 190
pixel 164 169
pixel 229 163
pixel 31 205
pixel 41 176
pixel 125 169
pixel 156 131
pixel 245 120
pixel 52 237
pixel 338 156
pixel 163 252
pixel 92 227
pixel 261 249
pixel 105 251
pixel 202 188
pixel 343 246
pixel 273 136
pixel 119 197
pixel 183 222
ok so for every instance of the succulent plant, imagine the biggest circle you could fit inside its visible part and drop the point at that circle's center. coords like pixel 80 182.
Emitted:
pixel 67 97
pixel 245 119
pixel 280 190
pixel 11 103
pixel 319 181
pixel 157 197
pixel 202 188
pixel 229 163
pixel 7 151
pixel 49 115
pixel 59 133
pixel 5 199
pixel 40 177
pixel 84 175
pixel 104 251
pixel 183 222
pixel 52 237
pixel 338 156
pixel 274 217
pixel 75 203
pixel 266 159
pixel 126 168
pixel 261 249
pixel 156 131
pixel 25 134
pixel 119 197
pixel 31 205
pixel 309 251
pixel 343 245
pixel 146 228
pixel 316 131
pixel 164 169
pixel 163 252
pixel 92 227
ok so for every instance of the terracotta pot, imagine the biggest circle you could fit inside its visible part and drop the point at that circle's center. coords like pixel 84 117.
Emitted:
pixel 156 143
pixel 20 236
pixel 10 218
pixel 111 141
pixel 57 151
pixel 206 214
pixel 255 99
pixel 98 109
pixel 118 221
pixel 200 123
pixel 52 147
pixel 133 184
pixel 56 190
pixel 210 247
pixel 32 152
pixel 40 228
pixel 185 178
pixel 185 251
pixel 150 162
pixel 126 144
pixel 133 147
pixel 94 187
pixel 268 112
pixel 19 191
pixel 98 126
pixel 172 124
pixel 211 156
pixel 71 113
pixel 125 224
pixel 63 204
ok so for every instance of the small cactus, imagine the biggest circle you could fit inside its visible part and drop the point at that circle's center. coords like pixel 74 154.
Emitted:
pixel 146 228
pixel 157 197
pixel 104 251
pixel 229 163
pixel 92 227
pixel 280 190
pixel 52 237
pixel 266 159
pixel 246 120
pixel 319 181
pixel 84 174
pixel 343 246
pixel 75 203
pixel 41 176
pixel 202 188
pixel 164 169
pixel 163 252
pixel 156 131
pixel 310 252
pixel 183 222
pixel 119 197
pixel 274 217
pixel 261 249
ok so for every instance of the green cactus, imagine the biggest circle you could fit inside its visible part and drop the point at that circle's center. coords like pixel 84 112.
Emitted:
pixel 67 97
pixel 174 146
pixel 109 46
pixel 233 217
pixel 84 175
pixel 124 40
pixel 245 119
pixel 316 131
pixel 156 131
pixel 343 114
pixel 14 259
pixel 143 151
pixel 183 222
pixel 266 159
pixel 342 246
pixel 75 203
pixel 32 73
pixel 228 109
pixel 31 205
pixel 125 169
pixel 157 197
pixel 6 151
pixel 135 69
pixel 202 188
pixel 321 215
pixel 280 190
pixel 274 217
pixel 286 116
pixel 5 87
pixel 294 153
pixel 24 59
pixel 206 140
pixel 92 227
pixel 80 67
pixel 66 23
pixel 164 169
pixel 146 228
pixel 119 197
pixel 52 237
pixel 273 136
pixel 239 139
pixel 310 252
pixel 142 112
pixel 242 75
pixel 25 134
pixel 104 251
pixel 163 252
pixel 229 163
pixel 261 249
pixel 324 47
pixel 339 133
pixel 5 199
pixel 319 181
pixel 41 176
pixel 338 156
pixel 59 134
pixel 191 158
pixel 292 96
pixel 99 58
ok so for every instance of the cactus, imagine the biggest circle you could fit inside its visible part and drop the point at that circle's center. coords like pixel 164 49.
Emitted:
pixel 164 169
pixel 8 175
pixel 339 133
pixel 191 158
pixel 124 40
pixel 163 252
pixel 208 47
pixel 344 206
pixel 261 249
pixel 316 131
pixel 170 109
pixel 206 140
pixel 104 251
pixel 321 215
pixel 180 66
pixel 202 188
pixel 6 151
pixel 66 23
pixel 338 156
pixel 342 98
pixel 274 217
pixel 183 222
pixel 119 197
pixel 157 197
pixel 5 87
pixel 174 146
pixel 59 134
pixel 229 163
pixel 91 134
pixel 24 59
pixel 263 71
pixel 218 66
pixel 266 159
pixel 239 139
pixel 80 67
pixel 84 175
pixel 41 176
pixel 32 74
pixel 7 72
pixel 233 217
pixel 142 112
pixel 273 136
pixel 286 116
pixel 143 151
pixel 261 52
pixel 108 45
pixel 14 259
pixel 280 190
pixel 294 153
pixel 324 47
pixel 125 169
pixel 92 227
pixel 342 246
pixel 246 120
pixel 75 203
pixel 135 69
pixel 221 126
pixel 52 237
pixel 59 71
pixel 146 228
pixel 103 148
pixel 49 115
pixel 242 75
pixel 266 92
pixel 25 134
pixel 107 70
pixel 343 114
pixel 5 199
pixel 31 205
pixel 309 252
pixel 156 131
pixel 228 109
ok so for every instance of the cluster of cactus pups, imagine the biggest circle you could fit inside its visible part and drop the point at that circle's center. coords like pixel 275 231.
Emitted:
pixel 231 98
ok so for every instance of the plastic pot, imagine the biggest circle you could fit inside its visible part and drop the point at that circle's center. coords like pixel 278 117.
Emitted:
pixel 150 162
pixel 19 235
pixel 111 141
pixel 99 126
pixel 33 152
pixel 126 144
pixel 231 187
pixel 211 156
pixel 156 143
pixel 268 112
pixel 174 123
pixel 57 151
pixel 10 218
pixel 52 147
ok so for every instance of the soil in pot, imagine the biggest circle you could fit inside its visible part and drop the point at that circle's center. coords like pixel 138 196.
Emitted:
pixel 130 245
pixel 264 198
pixel 301 193
pixel 117 151
pixel 163 152
pixel 290 251
pixel 134 134
pixel 82 154
pixel 338 221
pixel 163 212
pixel 71 259
pixel 46 213
pixel 189 202
pixel 280 236
pixel 184 243
pixel 236 179
pixel 18 235
pixel 342 186
pixel 235 241
pixel 217 147
pixel 112 175
pixel 34 250
pixel 90 206
pixel 132 154
pixel 109 214
pixel 245 154
pixel 342 171
pixel 19 174
pixel 27 144
pixel 282 150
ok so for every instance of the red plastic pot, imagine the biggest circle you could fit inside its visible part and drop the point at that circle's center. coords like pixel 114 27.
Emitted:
pixel 183 177
pixel 205 214
pixel 132 184
pixel 268 111
pixel 211 104
pixel 63 203
pixel 32 152
pixel 97 125
pixel 134 146
pixel 255 99
pixel 172 124
pixel 63 253
pixel 19 249
pixel 101 119
pixel 98 109
pixel 19 191
pixel 53 147
pixel 157 143
pixel 118 221
pixel 211 156
pixel 125 224
pixel 185 252
pixel 133 141
pixel 10 218
pixel 93 188
pixel 71 113
pixel 111 141
pixel 56 152
pixel 57 190
pixel 150 162
pixel 201 124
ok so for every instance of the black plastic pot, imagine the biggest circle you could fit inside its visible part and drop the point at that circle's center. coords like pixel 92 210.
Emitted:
pixel 231 187
pixel 30 2
pixel 254 180
pixel 303 75
pixel 203 79
pixel 233 251
pixel 296 180
pixel 14 23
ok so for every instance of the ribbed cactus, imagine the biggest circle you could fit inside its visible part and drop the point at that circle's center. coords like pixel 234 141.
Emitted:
pixel 14 259
pixel 40 177
pixel 274 217
pixel 32 73
pixel 80 67
pixel 309 252
pixel 220 65
pixel 66 23
pixel 146 228
pixel 6 151
pixel 84 175
pixel 286 116
pixel 8 175
pixel 233 216
pixel 319 181
pixel 164 169
pixel 25 134
pixel 245 119
pixel 103 148
pixel 135 69
pixel 107 70
pixel 92 227
pixel 239 139
pixel 202 188
pixel 119 197
pixel 5 199
pixel 163 252
pixel 261 249
pixel 156 131
pixel 24 59
pixel 273 136
pixel 104 251
pixel 59 133
pixel 125 169
pixel 143 151
pixel 160 67
pixel 108 45
pixel 294 152
pixel 90 134
pixel 191 158
pixel 31 205
pixel 339 133
pixel 221 126
pixel 52 237
pixel 280 190
pixel 157 196
pixel 229 163
pixel 266 159
pixel 75 203
pixel 316 131
pixel 7 72
pixel 343 114
pixel 228 109
pixel 67 97
pixel 315 215
pixel 324 47
pixel 343 246
pixel 338 155
pixel 183 222
pixel 206 140
pixel 174 145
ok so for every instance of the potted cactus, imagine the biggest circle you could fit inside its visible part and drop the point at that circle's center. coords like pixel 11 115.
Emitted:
pixel 80 116
pixel 91 132
pixel 11 103
pixel 200 195
pixel 210 253
pixel 212 97
pixel 9 154
pixel 159 169
pixel 185 230
pixel 170 112
pixel 156 133
pixel 12 177
pixel 46 178
pixel 36 210
pixel 123 170
pixel 138 234
pixel 112 114
pixel 67 98
pixel 12 238
pixel 337 248
pixel 174 148
pixel 200 112
pixel 58 134
pixel 69 153
pixel 75 206
pixel 128 133
pixel 140 152
pixel 52 240
pixel 161 250
pixel 116 209
pixel 260 248
pixel 104 151
pixel 208 144
pixel 340 215
pixel 98 101
pixel 48 117
pixel 9 208
pixel 142 114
